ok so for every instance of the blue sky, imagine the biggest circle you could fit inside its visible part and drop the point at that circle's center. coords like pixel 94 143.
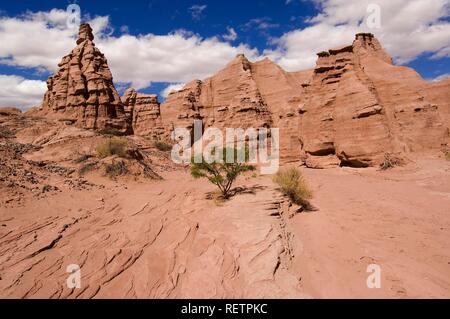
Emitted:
pixel 154 44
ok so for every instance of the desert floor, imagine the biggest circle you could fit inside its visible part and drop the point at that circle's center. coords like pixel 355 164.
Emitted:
pixel 158 239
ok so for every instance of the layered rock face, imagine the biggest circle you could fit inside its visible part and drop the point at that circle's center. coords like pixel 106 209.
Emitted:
pixel 144 112
pixel 351 109
pixel 359 106
pixel 230 98
pixel 82 91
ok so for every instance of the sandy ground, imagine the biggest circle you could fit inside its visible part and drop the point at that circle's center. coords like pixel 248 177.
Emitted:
pixel 399 220
pixel 161 239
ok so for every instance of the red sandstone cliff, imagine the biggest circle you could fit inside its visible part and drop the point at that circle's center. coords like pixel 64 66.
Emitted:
pixel 354 107
pixel 82 91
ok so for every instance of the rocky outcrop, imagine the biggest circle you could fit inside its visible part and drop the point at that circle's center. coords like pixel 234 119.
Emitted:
pixel 82 91
pixel 351 109
pixel 230 98
pixel 360 106
pixel 144 112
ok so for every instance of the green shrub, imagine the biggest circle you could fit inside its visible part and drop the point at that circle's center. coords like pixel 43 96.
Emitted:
pixel 112 146
pixel 447 156
pixel 164 147
pixel 294 186
pixel 219 172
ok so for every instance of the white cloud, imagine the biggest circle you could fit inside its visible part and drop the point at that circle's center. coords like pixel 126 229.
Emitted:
pixel 19 92
pixel 263 23
pixel 441 77
pixel 40 40
pixel 197 10
pixel 231 35
pixel 171 87
pixel 174 58
pixel 409 28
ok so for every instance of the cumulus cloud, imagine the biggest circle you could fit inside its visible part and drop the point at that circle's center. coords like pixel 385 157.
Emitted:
pixel 441 77
pixel 39 40
pixel 408 29
pixel 231 35
pixel 19 92
pixel 170 88
pixel 176 57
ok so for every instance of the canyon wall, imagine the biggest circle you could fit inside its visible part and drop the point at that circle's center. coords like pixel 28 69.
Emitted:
pixel 351 109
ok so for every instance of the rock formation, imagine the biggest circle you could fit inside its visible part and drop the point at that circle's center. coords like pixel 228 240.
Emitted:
pixel 144 112
pixel 360 106
pixel 351 109
pixel 230 98
pixel 82 91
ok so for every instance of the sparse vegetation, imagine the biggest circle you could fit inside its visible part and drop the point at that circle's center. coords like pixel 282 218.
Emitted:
pixel 163 147
pixel 294 186
pixel 447 155
pixel 87 168
pixel 6 132
pixel 390 161
pixel 82 158
pixel 116 169
pixel 219 172
pixel 112 146
pixel 110 131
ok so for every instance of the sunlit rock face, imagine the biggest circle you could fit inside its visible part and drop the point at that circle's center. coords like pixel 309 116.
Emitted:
pixel 82 90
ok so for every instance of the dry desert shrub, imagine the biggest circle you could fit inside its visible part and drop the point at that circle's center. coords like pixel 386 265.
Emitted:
pixel 87 168
pixel 390 161
pixel 293 185
pixel 112 146
pixel 110 131
pixel 6 132
pixel 447 156
pixel 115 169
pixel 163 147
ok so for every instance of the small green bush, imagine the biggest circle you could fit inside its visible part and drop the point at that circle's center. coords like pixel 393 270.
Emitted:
pixel 294 186
pixel 112 146
pixel 447 156
pixel 163 147
pixel 221 173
